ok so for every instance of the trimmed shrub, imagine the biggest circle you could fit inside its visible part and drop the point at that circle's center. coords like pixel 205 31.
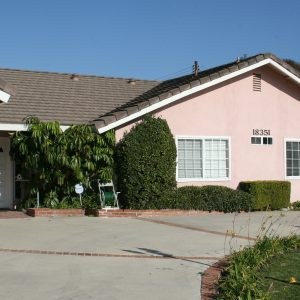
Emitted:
pixel 268 194
pixel 211 197
pixel 295 205
pixel 146 165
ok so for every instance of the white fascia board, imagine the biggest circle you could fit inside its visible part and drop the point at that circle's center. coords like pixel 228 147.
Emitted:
pixel 4 97
pixel 284 71
pixel 198 89
pixel 21 127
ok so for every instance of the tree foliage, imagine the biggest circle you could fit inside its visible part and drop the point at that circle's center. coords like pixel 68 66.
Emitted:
pixel 293 63
pixel 146 164
pixel 57 160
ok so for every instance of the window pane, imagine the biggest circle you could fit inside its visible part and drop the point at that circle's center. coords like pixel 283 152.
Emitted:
pixel 255 140
pixel 289 172
pixel 296 172
pixel 295 146
pixel 181 173
pixel 189 158
pixel 216 158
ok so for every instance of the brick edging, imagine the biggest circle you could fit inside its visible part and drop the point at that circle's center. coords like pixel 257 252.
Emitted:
pixel 106 212
pixel 47 212
pixel 147 212
pixel 210 278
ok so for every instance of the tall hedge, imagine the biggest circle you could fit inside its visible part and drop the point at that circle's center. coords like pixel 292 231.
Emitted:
pixel 146 164
pixel 268 193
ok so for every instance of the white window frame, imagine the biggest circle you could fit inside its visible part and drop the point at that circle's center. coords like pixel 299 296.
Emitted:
pixel 261 140
pixel 285 166
pixel 196 137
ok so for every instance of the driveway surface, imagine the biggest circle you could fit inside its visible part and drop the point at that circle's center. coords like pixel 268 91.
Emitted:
pixel 122 258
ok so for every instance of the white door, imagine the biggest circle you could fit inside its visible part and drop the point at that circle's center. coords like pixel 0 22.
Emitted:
pixel 3 200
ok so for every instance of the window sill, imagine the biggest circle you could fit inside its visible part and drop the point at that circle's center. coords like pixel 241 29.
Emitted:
pixel 292 177
pixel 202 179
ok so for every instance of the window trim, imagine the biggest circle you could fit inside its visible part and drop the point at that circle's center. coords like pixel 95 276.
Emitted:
pixel 198 137
pixel 285 169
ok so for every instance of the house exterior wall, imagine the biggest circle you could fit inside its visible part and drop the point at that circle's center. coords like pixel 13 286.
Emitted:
pixel 233 109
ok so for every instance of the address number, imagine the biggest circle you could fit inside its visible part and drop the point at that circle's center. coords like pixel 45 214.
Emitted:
pixel 261 131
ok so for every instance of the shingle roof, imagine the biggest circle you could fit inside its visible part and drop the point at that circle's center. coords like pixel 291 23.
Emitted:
pixel 174 86
pixel 104 100
pixel 56 96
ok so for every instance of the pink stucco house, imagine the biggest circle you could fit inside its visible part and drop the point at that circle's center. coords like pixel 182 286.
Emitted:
pixel 235 122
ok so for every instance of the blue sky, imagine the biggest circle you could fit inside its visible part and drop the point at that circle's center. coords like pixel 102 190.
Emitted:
pixel 143 39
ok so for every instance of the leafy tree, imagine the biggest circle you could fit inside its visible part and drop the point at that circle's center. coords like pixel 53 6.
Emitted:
pixel 146 164
pixel 58 160
pixel 293 63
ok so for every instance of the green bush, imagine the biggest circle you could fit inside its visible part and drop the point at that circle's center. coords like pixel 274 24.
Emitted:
pixel 211 197
pixel 55 160
pixel 268 194
pixel 90 201
pixel 146 165
pixel 70 202
pixel 295 205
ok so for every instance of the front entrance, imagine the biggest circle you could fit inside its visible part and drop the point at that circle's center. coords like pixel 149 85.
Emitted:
pixel 5 174
pixel 3 199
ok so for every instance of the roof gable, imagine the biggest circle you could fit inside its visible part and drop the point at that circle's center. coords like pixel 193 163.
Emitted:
pixel 173 90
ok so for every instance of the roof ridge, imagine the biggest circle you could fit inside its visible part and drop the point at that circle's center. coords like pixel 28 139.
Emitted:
pixel 78 74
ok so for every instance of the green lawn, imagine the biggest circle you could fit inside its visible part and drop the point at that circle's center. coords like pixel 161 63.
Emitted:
pixel 278 274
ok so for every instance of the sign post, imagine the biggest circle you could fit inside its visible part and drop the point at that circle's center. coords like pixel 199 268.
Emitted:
pixel 79 190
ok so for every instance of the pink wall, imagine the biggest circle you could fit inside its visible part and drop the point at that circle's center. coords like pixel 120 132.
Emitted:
pixel 234 109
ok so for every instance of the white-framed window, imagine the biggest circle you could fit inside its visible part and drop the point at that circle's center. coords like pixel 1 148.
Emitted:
pixel 203 158
pixel 261 140
pixel 292 158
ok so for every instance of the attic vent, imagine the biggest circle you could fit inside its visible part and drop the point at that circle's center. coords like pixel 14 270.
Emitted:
pixel 257 82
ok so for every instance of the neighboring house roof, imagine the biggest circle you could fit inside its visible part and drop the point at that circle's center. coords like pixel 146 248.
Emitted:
pixel 70 99
pixel 175 89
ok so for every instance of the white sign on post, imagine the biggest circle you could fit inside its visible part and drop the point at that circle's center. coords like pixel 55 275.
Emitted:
pixel 79 190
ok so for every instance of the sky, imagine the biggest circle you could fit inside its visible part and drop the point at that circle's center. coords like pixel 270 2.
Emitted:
pixel 149 39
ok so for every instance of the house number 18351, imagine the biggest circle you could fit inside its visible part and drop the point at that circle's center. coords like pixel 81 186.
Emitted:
pixel 261 131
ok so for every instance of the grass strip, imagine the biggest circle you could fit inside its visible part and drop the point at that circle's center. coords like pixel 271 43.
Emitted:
pixel 281 278
pixel 243 277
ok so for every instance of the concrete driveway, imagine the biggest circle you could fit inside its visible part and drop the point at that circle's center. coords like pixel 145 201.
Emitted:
pixel 121 258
